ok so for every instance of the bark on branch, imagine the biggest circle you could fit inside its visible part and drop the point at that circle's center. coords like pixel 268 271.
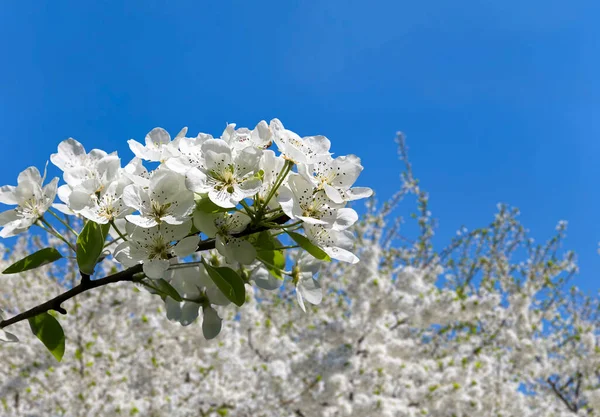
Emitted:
pixel 122 276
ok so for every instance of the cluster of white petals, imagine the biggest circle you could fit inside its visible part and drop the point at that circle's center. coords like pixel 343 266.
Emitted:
pixel 201 189
pixel 486 326
pixel 403 333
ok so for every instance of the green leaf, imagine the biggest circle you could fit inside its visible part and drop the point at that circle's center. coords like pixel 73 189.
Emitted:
pixel 229 282
pixel 266 251
pixel 35 260
pixel 265 241
pixel 273 260
pixel 308 246
pixel 167 289
pixel 49 331
pixel 90 245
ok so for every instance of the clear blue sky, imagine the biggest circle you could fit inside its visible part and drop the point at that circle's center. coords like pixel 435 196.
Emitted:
pixel 499 99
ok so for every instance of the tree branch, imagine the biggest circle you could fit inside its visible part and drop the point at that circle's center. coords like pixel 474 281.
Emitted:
pixel 122 276
pixel 560 395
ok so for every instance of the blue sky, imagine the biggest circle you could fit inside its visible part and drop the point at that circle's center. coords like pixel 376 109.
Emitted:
pixel 499 100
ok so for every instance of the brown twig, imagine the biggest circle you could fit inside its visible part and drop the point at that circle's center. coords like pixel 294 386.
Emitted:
pixel 122 276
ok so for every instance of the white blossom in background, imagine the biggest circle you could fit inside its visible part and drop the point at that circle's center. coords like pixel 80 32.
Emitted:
pixel 484 326
pixel 368 349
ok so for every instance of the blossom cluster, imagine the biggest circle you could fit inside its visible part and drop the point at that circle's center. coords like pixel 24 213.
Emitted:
pixel 232 191
pixel 393 337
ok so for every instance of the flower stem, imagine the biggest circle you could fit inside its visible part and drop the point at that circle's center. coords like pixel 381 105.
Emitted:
pixel 281 232
pixel 110 242
pixel 248 209
pixel 186 265
pixel 67 225
pixel 114 226
pixel 276 268
pixel 48 228
pixel 282 174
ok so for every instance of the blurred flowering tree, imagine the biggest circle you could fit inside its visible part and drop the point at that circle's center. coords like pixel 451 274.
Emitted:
pixel 485 326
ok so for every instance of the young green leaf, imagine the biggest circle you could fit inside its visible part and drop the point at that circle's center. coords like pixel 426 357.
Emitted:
pixel 35 260
pixel 308 246
pixel 50 332
pixel 273 260
pixel 266 251
pixel 90 245
pixel 229 282
pixel 265 241
pixel 167 289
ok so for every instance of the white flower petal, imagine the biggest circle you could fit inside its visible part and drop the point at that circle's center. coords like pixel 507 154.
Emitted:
pixel 8 195
pixel 156 268
pixel 63 208
pixel 29 176
pixel 211 323
pixel 250 186
pixel 8 337
pixel 263 279
pixel 311 290
pixel 173 309
pixel 186 247
pixel 221 198
pixel 216 146
pixel 157 137
pixel 189 313
pixel 333 194
pixel 8 216
pixel 247 161
pixel 345 217
pixel 141 221
pixel 79 199
pixel 69 152
pixel 122 254
pixel 357 193
pixel 300 300
pixel 235 249
pixel 195 180
pixel 135 197
pixel 341 255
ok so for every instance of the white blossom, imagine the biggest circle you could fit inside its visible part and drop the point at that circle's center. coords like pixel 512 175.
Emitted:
pixel 241 138
pixel 307 287
pixel 336 177
pixel 159 146
pixel 166 200
pixel 155 246
pixel 32 199
pixel 300 200
pixel 226 178
pixel 297 149
pixel 223 227
pixel 336 243
pixel 192 283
